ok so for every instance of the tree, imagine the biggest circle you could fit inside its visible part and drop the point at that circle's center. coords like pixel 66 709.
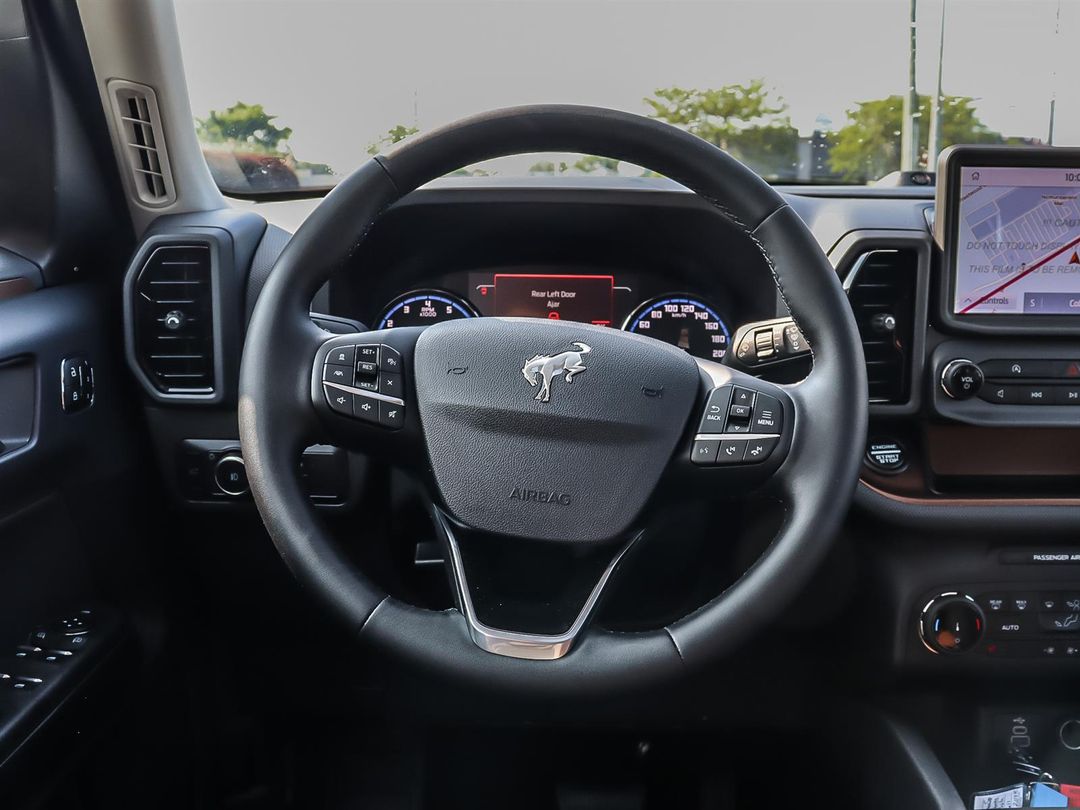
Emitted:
pixel 246 125
pixel 392 136
pixel 742 119
pixel 868 145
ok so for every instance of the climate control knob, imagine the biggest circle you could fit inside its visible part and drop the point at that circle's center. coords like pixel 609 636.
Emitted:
pixel 961 379
pixel 951 623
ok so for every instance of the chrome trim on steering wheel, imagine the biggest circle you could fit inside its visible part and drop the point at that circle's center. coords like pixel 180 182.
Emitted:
pixel 513 644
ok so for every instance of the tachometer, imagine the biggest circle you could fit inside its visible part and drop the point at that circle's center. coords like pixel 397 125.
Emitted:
pixel 682 321
pixel 423 308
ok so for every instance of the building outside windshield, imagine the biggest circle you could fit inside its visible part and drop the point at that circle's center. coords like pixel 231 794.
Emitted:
pixel 293 95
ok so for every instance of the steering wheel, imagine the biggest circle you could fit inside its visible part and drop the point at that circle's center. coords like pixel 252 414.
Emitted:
pixel 542 444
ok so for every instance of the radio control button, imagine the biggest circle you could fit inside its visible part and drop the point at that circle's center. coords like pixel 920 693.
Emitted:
pixel 961 379
pixel 1036 395
pixel 366 408
pixel 1002 394
pixel 1067 395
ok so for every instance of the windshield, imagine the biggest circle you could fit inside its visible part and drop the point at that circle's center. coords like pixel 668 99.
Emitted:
pixel 292 95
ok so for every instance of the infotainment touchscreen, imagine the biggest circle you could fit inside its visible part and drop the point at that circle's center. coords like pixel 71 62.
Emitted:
pixel 1016 245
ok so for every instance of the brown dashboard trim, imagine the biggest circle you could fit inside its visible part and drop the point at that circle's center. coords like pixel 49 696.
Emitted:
pixel 949 501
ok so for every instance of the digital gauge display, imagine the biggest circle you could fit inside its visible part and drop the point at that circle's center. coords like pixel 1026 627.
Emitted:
pixel 682 321
pixel 423 308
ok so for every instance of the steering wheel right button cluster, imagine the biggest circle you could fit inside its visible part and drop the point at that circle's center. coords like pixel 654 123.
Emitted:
pixel 739 426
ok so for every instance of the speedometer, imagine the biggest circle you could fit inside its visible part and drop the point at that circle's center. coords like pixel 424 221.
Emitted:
pixel 423 308
pixel 682 321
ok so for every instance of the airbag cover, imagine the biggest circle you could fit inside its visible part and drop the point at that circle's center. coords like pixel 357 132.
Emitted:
pixel 577 467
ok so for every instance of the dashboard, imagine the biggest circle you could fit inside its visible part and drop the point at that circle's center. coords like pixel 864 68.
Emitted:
pixel 656 265
pixel 683 319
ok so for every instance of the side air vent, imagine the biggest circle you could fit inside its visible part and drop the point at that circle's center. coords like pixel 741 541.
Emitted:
pixel 173 311
pixel 881 286
pixel 142 141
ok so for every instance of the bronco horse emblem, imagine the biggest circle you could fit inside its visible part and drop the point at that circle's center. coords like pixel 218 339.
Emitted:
pixel 548 367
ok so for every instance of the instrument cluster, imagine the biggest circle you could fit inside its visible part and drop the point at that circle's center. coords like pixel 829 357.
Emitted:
pixel 683 319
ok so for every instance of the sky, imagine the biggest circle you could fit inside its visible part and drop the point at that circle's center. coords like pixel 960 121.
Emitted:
pixel 342 72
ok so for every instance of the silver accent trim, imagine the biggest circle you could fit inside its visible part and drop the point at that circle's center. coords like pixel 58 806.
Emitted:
pixel 363 393
pixel 729 436
pixel 511 644
pixel 857 266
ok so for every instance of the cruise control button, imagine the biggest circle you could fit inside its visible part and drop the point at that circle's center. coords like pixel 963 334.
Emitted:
pixel 366 368
pixel 342 375
pixel 342 356
pixel 368 353
pixel 716 408
pixel 339 401
pixel 391 415
pixel 768 415
pixel 390 384
pixel 758 450
pixel 704 451
pixel 366 408
pixel 390 359
pixel 731 451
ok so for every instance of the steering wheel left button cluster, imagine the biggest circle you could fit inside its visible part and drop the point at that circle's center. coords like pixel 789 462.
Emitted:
pixel 366 383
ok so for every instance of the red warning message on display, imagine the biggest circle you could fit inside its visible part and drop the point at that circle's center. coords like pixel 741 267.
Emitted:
pixel 585 299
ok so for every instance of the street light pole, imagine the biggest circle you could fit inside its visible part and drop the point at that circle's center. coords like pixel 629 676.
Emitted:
pixel 934 141
pixel 909 126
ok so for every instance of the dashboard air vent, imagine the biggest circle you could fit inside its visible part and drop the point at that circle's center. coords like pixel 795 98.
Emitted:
pixel 881 287
pixel 142 142
pixel 174 320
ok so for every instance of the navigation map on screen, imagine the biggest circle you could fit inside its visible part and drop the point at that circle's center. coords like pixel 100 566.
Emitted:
pixel 1018 241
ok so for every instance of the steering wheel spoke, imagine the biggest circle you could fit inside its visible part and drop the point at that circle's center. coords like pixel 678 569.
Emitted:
pixel 522 600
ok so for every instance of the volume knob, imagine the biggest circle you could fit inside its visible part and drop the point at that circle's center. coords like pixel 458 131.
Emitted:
pixel 961 379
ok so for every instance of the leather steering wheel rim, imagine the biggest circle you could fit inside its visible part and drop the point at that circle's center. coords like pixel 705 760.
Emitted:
pixel 821 470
